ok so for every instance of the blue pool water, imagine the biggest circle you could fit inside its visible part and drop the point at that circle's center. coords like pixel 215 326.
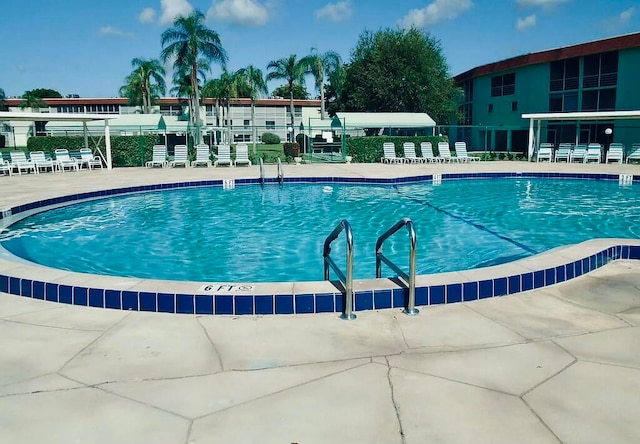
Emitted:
pixel 253 234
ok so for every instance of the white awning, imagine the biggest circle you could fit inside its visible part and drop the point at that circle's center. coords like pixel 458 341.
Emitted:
pixel 386 120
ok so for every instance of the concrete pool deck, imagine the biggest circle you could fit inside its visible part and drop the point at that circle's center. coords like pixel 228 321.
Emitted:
pixel 560 364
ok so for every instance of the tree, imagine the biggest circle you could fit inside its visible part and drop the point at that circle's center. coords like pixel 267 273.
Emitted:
pixel 182 86
pixel 3 97
pixel 187 43
pixel 400 71
pixel 145 83
pixel 33 98
pixel 292 71
pixel 251 81
pixel 320 65
pixel 334 89
pixel 299 91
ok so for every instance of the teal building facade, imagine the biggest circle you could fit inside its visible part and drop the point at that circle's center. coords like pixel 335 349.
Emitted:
pixel 602 75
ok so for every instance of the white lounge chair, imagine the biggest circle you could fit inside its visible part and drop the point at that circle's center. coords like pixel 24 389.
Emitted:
pixel 461 153
pixel 20 162
pixel 389 151
pixel 242 155
pixel 64 161
pixel 88 159
pixel 158 157
pixel 578 153
pixel 409 149
pixel 224 156
pixel 594 153
pixel 563 152
pixel 203 156
pixel 5 167
pixel 41 161
pixel 426 150
pixel 615 153
pixel 445 152
pixel 180 156
pixel 634 154
pixel 545 152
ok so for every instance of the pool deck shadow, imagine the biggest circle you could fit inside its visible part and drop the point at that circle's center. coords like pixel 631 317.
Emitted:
pixel 560 364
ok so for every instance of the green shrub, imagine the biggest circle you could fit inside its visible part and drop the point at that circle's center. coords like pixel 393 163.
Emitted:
pixel 3 141
pixel 369 149
pixel 270 139
pixel 291 149
pixel 125 150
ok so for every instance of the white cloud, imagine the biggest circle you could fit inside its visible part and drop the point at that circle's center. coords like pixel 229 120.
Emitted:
pixel 543 3
pixel 626 15
pixel 527 22
pixel 242 12
pixel 621 20
pixel 335 11
pixel 110 31
pixel 147 15
pixel 172 9
pixel 435 12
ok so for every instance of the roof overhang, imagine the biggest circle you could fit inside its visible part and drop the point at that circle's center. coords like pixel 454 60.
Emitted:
pixel 596 115
pixel 54 117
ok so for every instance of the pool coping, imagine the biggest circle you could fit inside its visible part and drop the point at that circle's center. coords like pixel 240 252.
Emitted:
pixel 22 278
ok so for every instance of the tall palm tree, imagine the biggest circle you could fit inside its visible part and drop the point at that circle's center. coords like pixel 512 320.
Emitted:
pixel 292 71
pixel 182 86
pixel 145 83
pixel 32 100
pixel 214 89
pixel 320 65
pixel 186 43
pixel 222 89
pixel 252 81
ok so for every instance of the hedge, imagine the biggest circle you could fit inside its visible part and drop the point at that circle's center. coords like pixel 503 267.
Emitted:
pixel 125 150
pixel 369 149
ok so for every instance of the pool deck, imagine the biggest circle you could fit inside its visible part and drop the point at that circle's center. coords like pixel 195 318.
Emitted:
pixel 559 364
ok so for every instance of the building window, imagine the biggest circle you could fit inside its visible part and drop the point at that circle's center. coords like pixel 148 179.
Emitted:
pixel 599 100
pixel 565 74
pixel 514 106
pixel 600 70
pixel 503 85
pixel 270 124
pixel 247 123
pixel 563 102
pixel 490 108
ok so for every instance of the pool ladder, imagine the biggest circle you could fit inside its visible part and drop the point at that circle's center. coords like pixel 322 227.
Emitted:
pixel 346 278
pixel 280 177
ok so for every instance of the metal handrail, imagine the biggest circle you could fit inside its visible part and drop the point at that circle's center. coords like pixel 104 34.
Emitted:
pixel 410 278
pixel 280 172
pixel 261 171
pixel 347 280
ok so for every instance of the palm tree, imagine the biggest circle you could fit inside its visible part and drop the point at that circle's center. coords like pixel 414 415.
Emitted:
pixel 320 65
pixel 292 71
pixel 182 86
pixel 222 89
pixel 187 43
pixel 145 83
pixel 214 89
pixel 31 100
pixel 3 97
pixel 252 80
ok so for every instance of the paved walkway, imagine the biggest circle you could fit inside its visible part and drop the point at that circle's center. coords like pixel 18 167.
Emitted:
pixel 557 365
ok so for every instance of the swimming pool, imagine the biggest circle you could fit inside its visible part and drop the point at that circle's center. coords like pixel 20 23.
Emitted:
pixel 254 234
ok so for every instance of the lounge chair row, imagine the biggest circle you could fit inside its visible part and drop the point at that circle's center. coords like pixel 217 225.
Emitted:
pixel 202 158
pixel 38 161
pixel 427 155
pixel 592 152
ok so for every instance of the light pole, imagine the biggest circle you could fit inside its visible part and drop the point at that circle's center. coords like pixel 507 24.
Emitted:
pixel 608 132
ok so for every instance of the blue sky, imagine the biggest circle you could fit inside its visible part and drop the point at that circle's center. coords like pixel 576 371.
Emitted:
pixel 85 47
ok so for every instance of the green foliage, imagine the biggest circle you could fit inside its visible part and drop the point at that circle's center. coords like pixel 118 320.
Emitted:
pixel 291 149
pixel 399 71
pixel 299 91
pixel 369 149
pixel 125 150
pixel 144 84
pixel 270 139
pixel 43 93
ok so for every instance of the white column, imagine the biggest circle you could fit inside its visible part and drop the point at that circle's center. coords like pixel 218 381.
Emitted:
pixel 531 140
pixel 86 134
pixel 537 142
pixel 107 143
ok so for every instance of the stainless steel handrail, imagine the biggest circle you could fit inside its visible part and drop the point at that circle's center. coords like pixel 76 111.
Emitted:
pixel 347 280
pixel 280 172
pixel 410 278
pixel 261 171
